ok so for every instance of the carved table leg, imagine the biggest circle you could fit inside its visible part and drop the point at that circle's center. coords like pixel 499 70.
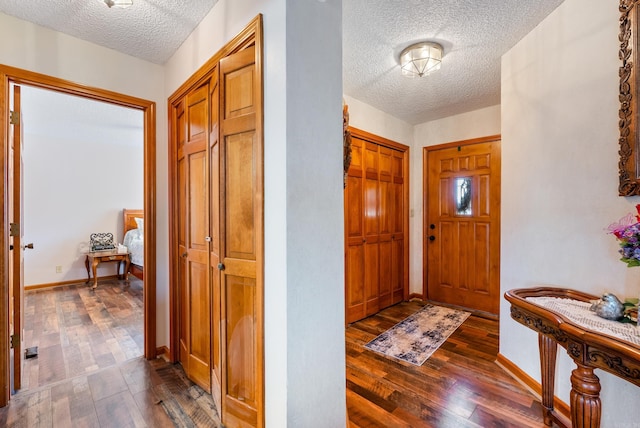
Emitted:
pixel 548 350
pixel 585 397
pixel 94 269
pixel 86 264
pixel 127 264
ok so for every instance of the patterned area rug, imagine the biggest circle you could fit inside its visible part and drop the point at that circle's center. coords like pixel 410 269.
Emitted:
pixel 416 337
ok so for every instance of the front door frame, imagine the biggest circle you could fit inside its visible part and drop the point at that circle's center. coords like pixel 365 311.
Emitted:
pixel 23 77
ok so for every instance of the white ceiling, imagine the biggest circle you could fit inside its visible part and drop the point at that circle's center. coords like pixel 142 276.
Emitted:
pixel 151 29
pixel 474 33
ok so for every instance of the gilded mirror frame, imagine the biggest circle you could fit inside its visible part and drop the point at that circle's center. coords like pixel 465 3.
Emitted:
pixel 629 140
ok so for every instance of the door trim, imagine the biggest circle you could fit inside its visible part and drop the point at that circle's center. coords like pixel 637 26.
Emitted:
pixel 148 108
pixel 425 194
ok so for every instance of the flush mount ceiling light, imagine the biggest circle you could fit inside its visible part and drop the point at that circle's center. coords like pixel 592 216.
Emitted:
pixel 121 4
pixel 421 59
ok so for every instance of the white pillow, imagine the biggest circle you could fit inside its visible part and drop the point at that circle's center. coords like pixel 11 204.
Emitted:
pixel 139 223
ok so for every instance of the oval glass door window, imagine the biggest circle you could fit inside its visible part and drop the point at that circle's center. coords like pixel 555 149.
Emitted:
pixel 463 196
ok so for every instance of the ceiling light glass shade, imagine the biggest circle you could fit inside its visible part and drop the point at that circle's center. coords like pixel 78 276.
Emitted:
pixel 122 4
pixel 421 59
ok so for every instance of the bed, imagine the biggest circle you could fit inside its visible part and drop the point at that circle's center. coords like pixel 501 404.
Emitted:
pixel 133 239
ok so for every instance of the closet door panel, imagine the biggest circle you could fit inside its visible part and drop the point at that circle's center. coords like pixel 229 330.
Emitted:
pixel 354 230
pixel 386 213
pixel 241 249
pixel 197 294
pixel 398 218
pixel 181 170
pixel 214 210
pixel 371 229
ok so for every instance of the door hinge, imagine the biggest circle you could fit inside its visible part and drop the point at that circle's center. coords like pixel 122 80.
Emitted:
pixel 14 117
pixel 14 340
pixel 14 229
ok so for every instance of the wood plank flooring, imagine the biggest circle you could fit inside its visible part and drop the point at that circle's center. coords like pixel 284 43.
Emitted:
pixel 90 371
pixel 458 386
pixel 79 330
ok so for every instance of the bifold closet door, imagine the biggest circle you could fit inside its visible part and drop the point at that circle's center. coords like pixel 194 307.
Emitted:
pixel 194 238
pixel 241 227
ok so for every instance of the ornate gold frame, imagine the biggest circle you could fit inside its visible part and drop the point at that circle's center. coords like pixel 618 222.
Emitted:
pixel 629 141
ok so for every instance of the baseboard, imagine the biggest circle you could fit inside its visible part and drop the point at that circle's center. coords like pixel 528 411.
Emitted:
pixel 163 352
pixel 562 409
pixel 69 282
pixel 416 296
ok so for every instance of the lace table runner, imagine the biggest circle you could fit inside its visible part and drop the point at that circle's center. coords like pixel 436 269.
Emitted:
pixel 578 312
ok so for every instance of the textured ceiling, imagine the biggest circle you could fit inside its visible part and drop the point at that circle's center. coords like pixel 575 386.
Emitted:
pixel 150 29
pixel 474 33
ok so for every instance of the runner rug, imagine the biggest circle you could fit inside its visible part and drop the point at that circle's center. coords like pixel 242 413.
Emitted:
pixel 416 337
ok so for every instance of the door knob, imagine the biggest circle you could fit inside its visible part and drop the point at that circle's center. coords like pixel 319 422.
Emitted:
pixel 432 238
pixel 221 266
pixel 30 246
pixel 185 254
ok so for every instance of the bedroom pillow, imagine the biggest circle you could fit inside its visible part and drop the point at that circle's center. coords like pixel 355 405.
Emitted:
pixel 140 223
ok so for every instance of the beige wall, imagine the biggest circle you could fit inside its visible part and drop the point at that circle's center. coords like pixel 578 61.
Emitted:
pixel 560 176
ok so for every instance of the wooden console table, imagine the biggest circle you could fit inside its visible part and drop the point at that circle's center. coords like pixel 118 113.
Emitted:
pixel 94 258
pixel 588 349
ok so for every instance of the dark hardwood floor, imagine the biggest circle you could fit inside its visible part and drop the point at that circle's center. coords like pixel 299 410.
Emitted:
pixel 90 371
pixel 79 330
pixel 458 386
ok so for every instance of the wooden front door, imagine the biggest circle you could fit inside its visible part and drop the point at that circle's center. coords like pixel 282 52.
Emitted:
pixel 462 224
pixel 241 227
pixel 194 238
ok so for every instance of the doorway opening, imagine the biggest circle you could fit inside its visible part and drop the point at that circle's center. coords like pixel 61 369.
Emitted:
pixel 11 77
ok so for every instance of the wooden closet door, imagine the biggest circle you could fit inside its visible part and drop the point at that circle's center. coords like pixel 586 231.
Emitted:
pixel 371 229
pixel 398 217
pixel 386 210
pixel 375 210
pixel 214 198
pixel 354 235
pixel 195 291
pixel 241 202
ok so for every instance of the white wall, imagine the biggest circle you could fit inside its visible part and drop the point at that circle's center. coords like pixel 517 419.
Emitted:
pixel 41 50
pixel 78 176
pixel 560 177
pixel 304 288
pixel 367 118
